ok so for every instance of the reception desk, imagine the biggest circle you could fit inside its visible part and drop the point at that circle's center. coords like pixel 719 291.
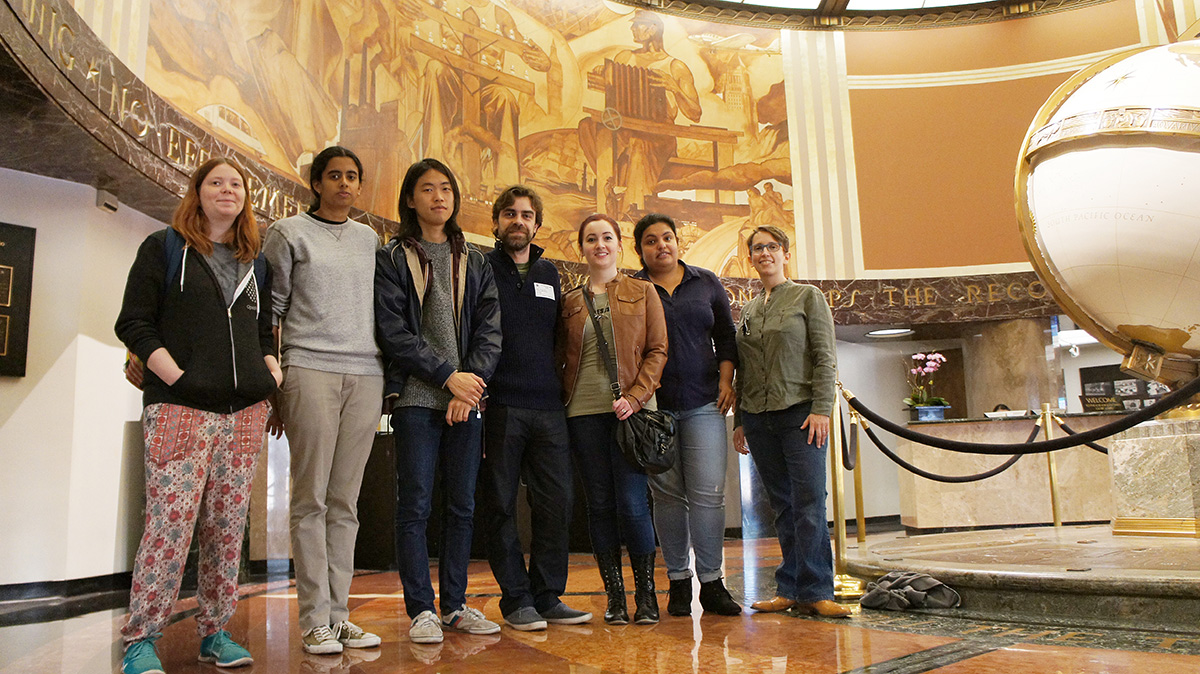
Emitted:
pixel 1019 495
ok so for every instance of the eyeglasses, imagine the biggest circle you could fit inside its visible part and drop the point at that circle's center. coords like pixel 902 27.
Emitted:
pixel 772 247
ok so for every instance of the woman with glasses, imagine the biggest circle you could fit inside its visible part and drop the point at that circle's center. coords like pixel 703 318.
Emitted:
pixel 787 367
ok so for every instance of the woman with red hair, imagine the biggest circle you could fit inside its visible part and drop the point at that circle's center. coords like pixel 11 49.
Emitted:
pixel 197 312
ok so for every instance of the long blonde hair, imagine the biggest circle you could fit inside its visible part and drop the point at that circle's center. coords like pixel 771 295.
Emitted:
pixel 189 219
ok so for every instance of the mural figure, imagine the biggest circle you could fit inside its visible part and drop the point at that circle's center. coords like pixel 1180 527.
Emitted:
pixel 650 92
pixel 469 92
pixel 600 107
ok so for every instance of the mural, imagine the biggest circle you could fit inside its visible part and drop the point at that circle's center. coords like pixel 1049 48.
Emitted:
pixel 599 106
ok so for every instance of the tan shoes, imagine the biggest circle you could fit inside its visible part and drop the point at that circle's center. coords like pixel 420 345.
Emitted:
pixel 824 608
pixel 773 605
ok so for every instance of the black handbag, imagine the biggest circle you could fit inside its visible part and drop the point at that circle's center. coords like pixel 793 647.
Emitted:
pixel 648 439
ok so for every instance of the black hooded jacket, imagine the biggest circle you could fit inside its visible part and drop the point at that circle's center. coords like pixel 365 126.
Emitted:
pixel 219 347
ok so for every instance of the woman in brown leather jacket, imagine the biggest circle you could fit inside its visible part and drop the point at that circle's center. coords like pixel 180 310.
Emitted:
pixel 631 317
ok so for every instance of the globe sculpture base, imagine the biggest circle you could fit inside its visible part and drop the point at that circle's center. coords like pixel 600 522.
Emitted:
pixel 1153 490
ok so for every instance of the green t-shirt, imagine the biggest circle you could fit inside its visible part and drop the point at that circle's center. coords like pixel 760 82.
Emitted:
pixel 593 393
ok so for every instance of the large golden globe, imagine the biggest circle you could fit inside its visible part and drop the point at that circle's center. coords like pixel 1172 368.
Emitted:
pixel 1108 195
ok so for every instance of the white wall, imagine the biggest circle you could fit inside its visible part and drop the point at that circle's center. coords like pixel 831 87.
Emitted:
pixel 70 441
pixel 874 372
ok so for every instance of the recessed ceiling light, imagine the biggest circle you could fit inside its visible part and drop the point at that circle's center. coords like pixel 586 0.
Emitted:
pixel 885 333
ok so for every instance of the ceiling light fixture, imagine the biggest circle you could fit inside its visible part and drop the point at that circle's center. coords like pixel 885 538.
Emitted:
pixel 890 333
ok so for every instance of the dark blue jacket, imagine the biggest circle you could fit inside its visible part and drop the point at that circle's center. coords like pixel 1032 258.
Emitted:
pixel 527 376
pixel 700 334
pixel 401 274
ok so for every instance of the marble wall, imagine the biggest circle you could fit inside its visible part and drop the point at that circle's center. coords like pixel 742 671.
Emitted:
pixel 1019 495
pixel 1011 362
pixel 1156 478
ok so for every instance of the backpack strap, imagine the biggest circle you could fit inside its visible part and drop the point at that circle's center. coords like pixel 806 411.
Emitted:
pixel 173 251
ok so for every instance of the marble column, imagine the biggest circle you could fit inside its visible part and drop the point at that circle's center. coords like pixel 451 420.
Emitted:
pixel 1009 362
pixel 1156 479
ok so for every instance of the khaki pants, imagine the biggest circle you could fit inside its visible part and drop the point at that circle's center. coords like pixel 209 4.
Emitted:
pixel 330 421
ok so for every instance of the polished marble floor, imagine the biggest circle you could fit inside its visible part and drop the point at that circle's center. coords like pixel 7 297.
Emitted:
pixel 896 643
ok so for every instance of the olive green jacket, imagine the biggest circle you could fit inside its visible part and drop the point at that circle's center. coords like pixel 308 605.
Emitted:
pixel 786 353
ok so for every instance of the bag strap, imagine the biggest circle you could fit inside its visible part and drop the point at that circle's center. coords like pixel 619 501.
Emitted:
pixel 173 251
pixel 602 344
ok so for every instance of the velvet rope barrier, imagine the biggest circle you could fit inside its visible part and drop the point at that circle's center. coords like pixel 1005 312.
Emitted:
pixel 1090 445
pixel 1175 399
pixel 953 479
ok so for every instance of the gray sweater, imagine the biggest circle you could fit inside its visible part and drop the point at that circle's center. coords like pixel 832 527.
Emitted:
pixel 322 293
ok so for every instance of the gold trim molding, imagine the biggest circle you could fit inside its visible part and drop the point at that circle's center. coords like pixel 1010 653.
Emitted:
pixel 1041 264
pixel 906 19
pixel 1117 121
pixel 1177 527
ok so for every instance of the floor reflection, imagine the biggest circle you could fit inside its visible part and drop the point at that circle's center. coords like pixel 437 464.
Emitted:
pixel 267 616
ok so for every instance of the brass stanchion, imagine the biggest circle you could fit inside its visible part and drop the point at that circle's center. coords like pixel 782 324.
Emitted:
pixel 1051 466
pixel 860 519
pixel 845 586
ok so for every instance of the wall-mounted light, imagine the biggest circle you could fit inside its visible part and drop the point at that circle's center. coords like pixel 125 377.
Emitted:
pixel 890 333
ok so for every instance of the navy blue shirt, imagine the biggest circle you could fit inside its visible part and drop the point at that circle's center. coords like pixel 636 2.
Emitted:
pixel 526 376
pixel 700 334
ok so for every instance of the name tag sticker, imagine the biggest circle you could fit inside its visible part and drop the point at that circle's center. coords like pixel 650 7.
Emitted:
pixel 543 290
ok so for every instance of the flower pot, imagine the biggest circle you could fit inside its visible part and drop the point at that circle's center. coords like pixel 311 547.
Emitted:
pixel 928 412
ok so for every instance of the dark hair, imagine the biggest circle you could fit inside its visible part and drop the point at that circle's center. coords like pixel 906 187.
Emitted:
pixel 509 197
pixel 594 217
pixel 775 232
pixel 317 170
pixel 642 225
pixel 409 226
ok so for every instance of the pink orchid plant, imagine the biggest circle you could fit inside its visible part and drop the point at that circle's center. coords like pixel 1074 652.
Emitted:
pixel 920 380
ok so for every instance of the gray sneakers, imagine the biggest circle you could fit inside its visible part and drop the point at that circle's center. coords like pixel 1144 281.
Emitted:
pixel 469 620
pixel 564 615
pixel 525 619
pixel 426 629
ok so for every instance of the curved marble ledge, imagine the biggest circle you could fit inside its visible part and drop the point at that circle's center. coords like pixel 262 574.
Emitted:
pixel 76 112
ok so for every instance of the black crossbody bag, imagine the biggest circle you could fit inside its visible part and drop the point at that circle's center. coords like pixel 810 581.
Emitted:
pixel 648 439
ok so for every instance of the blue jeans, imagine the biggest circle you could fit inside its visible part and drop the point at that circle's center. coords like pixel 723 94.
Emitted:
pixel 530 446
pixel 424 443
pixel 617 503
pixel 793 472
pixel 689 499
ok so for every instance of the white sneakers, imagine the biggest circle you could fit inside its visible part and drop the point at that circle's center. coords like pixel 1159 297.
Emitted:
pixel 352 636
pixel 469 620
pixel 327 640
pixel 425 629
pixel 320 641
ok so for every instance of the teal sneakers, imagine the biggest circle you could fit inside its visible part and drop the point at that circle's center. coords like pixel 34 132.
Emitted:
pixel 140 657
pixel 220 649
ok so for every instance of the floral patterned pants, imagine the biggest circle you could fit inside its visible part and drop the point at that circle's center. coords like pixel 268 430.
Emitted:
pixel 199 468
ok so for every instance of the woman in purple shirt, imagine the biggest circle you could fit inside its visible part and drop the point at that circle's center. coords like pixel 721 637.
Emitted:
pixel 697 385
